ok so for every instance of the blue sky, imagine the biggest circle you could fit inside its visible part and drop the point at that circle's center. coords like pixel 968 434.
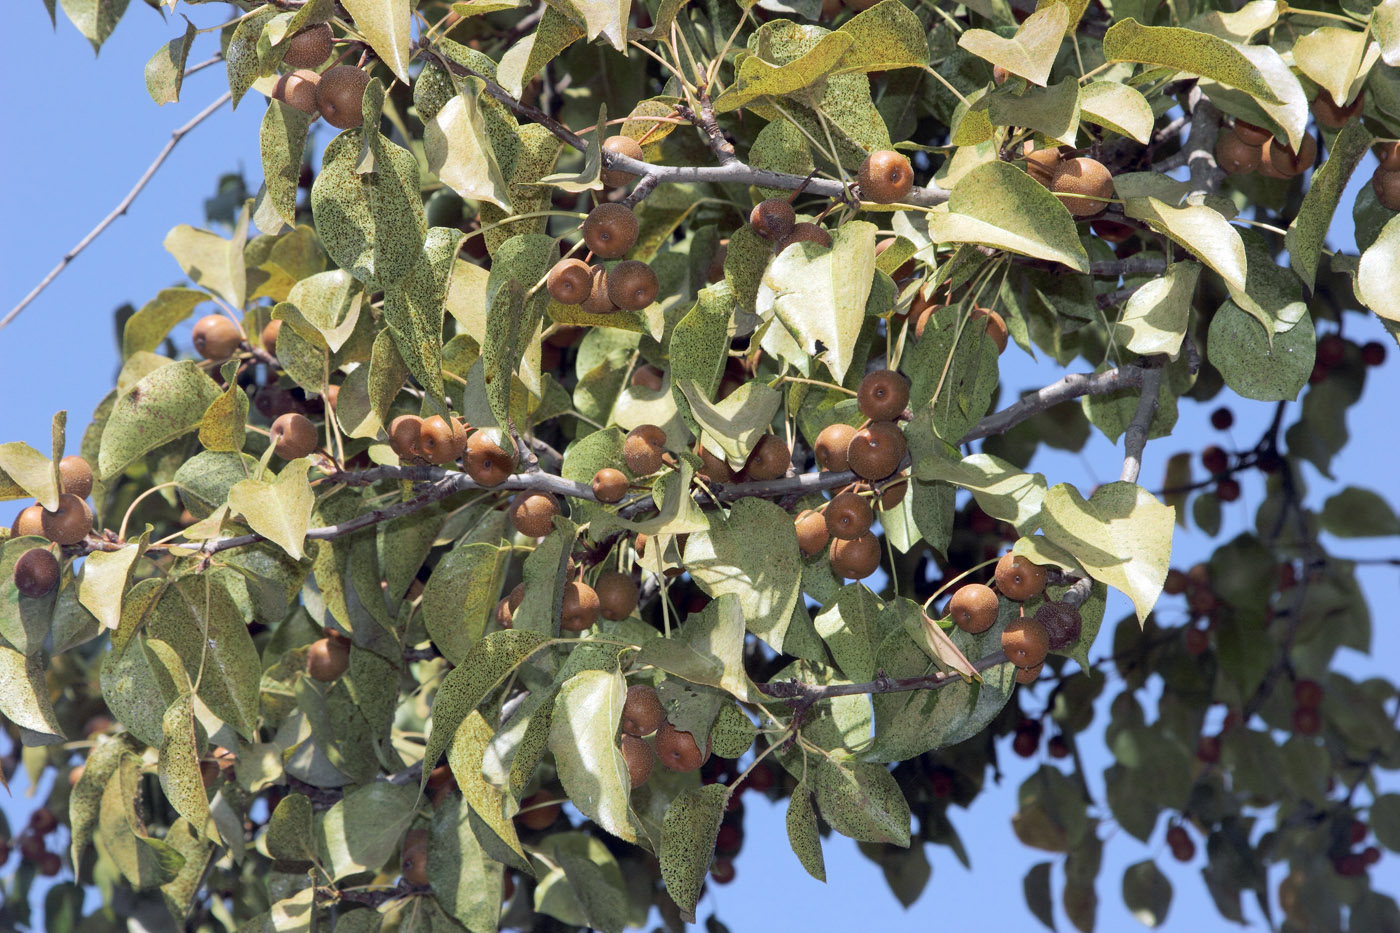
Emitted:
pixel 85 130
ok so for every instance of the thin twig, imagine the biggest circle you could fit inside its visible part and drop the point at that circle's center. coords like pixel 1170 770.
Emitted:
pixel 1135 438
pixel 1072 386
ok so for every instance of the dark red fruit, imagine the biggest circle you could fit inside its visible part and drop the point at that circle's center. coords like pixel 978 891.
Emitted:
pixel 1221 419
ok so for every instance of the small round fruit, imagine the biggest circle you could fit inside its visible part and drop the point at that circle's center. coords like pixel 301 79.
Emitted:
pixel 883 395
pixel 1215 460
pixel 812 534
pixel 36 572
pixel 570 281
pixel 714 469
pixel 648 376
pixel 678 750
pixel 640 760
pixel 327 659
pixel 1222 419
pixel 805 232
pixel 543 815
pixel 293 436
pixel 1373 353
pixel 598 301
pixel 855 560
pixel 610 230
pixel 625 146
pixel 642 449
pixel 1278 160
pixel 1331 350
pixel 1026 742
pixel 1389 156
pixel 609 485
pixel 505 609
pixel 69 523
pixel 298 89
pixel 642 713
pixel 1183 849
pixel 1251 134
pixel 487 462
pixel 415 863
pixel 1234 155
pixel 269 336
pixel 405 432
pixel 76 475
pixel 441 440
pixel 1025 642
pixel 1041 164
pixel 1197 641
pixel 1112 231
pixel 770 458
pixel 1018 578
pixel 580 607
pixel 632 285
pixel 1333 115
pixel 216 337
pixel 1307 693
pixel 974 608
pixel 722 870
pixel 1084 182
pixel 996 326
pixel 617 595
pixel 773 219
pixel 1208 749
pixel 876 450
pixel 341 95
pixel 50 864
pixel 532 513
pixel 885 177
pixel 1175 583
pixel 29 521
pixel 1062 623
pixel 310 47
pixel 893 494
pixel 832 444
pixel 848 516
pixel 1227 490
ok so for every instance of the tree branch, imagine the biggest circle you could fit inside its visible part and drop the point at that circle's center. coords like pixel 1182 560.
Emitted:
pixel 123 205
pixel 803 695
pixel 1135 438
pixel 1072 386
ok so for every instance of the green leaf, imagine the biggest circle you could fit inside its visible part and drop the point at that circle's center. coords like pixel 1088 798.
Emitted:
pixel 459 151
pixel 1030 53
pixel 31 471
pixel 953 373
pixel 222 427
pixel 555 33
pixel 736 423
pixel 487 801
pixel 583 739
pixel 413 309
pixel 512 316
pixel 688 841
pixel 1308 231
pixel 290 834
pixel 1335 58
pixel 460 596
pixel 145 862
pixel 280 510
pixel 1147 893
pixel 1036 888
pixel 385 26
pixel 594 878
pixel 1001 489
pixel 1155 317
pixel 1385 820
pixel 803 836
pixel 1375 284
pixel 282 140
pixel 1187 50
pixel 465 881
pixel 1359 513
pixel 179 764
pixel 757 78
pixel 1121 536
pixel 245 59
pixel 886 36
pixel 361 831
pixel 862 800
pixel 698 341
pixel 1052 111
pixel 848 627
pixel 164 405
pixel 105 579
pixel 998 205
pixel 24 697
pixel 86 798
pixel 1118 107
pixel 95 19
pixel 1240 349
pixel 211 261
pixel 165 72
pixel 147 328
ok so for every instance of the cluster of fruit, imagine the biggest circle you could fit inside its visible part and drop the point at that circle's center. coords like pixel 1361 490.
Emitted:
pixel 32 846
pixel 1332 351
pixel 1244 148
pixel 643 715
pixel 609 231
pixel 1028 639
pixel 336 94
pixel 1025 743
pixel 37 570
pixel 1346 860
pixel 1084 184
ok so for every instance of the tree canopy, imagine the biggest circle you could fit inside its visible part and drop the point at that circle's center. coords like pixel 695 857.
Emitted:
pixel 596 415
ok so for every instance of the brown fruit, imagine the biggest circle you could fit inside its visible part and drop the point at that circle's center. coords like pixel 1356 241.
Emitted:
pixel 69 523
pixel 678 750
pixel 1041 164
pixel 405 432
pixel 293 436
pixel 1252 135
pixel 769 459
pixel 714 469
pixel 598 301
pixel 848 516
pixel 564 335
pixel 532 513
pixel 1028 675
pixel 415 859
pixel 883 395
pixel 622 145
pixel 486 462
pixel 773 219
pixel 441 440
pixel 1280 161
pixel 1332 114
pixel 812 535
pixel 610 230
pixel 310 47
pixel 855 560
pixel 546 813
pixel 832 445
pixel 996 327
pixel 1386 185
pixel 642 713
pixel 580 607
pixel 1234 155
pixel 617 595
pixel 893 494
pixel 76 475
pixel 1307 693
pixel 1018 578
pixel 609 485
pixel 1062 623
pixel 805 233
pixel 885 177
pixel 298 89
pixel 327 659
pixel 216 337
pixel 922 311
pixel 1208 749
pixel 505 609
pixel 1175 583
pixel 1389 156
pixel 640 760
pixel 341 96
pixel 570 281
pixel 1083 180
pixel 877 449
pixel 632 285
pixel 1197 641
pixel 1025 642
pixel 642 449
pixel 29 521
pixel 50 864
pixel 269 336
pixel 648 376
pixel 1183 849
pixel 36 572
pixel 1215 459
pixel 1112 231
pixel 974 608
pixel 999 75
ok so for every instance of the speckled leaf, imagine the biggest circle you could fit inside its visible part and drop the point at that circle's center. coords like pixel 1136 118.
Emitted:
pixel 179 764
pixel 95 19
pixel 1187 50
pixel 459 151
pixel 848 628
pixel 1375 277
pixel 733 732
pixel 744 265
pixel 279 510
pixel 511 317
pixel 147 328
pixel 413 309
pixel 465 881
pixel 31 471
pixel 698 343
pixel 606 18
pixel 802 832
pixel 885 36
pixel 1335 58
pixel 282 140
pixel 371 225
pixel 122 837
pixel 862 800
pixel 211 261
pixel 328 304
pixel 1308 231
pixel 688 841
pixel 361 831
pixel 222 427
pixel 589 176
pixel 998 205
pixel 1121 535
pixel 953 372
pixel 385 25
pixel 1291 115
pixel 460 596
pixel 780 147
pixel 289 830
pixel 1154 319
pixel 105 579
pixel 245 64
pixel 757 78
pixel 1051 111
pixel 555 33
pixel 1001 489
pixel 24 697
pixel 86 799
pixel 734 424
pixel 583 739
pixel 1119 107
pixel 1031 52
pixel 165 72
pixel 487 801
pixel 169 402
pixel 1240 349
